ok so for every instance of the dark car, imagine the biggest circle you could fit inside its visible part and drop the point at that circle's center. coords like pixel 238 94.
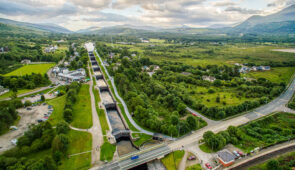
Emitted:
pixel 191 158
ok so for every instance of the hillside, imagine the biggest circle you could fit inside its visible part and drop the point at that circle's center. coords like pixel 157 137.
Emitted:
pixel 39 27
pixel 279 23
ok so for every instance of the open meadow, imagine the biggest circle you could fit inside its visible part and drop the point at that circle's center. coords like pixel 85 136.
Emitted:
pixel 31 68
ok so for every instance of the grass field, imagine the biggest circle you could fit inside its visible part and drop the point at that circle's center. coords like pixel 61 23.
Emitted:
pixel 31 68
pixel 58 106
pixel 194 167
pixel 172 160
pixel 82 113
pixel 142 138
pixel 19 92
pixel 79 142
pixel 205 148
pixel 107 151
pixel 279 74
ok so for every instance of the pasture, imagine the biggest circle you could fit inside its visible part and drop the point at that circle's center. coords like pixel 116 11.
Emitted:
pixel 31 68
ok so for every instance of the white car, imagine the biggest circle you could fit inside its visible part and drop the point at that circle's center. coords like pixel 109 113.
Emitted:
pixel 14 141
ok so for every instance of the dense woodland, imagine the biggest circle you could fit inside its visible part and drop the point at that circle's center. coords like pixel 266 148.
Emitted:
pixel 38 138
pixel 28 81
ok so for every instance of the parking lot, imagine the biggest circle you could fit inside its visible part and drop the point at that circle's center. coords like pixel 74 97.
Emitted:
pixel 28 117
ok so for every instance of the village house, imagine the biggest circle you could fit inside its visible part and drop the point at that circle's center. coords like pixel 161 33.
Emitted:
pixel 209 78
pixel 51 49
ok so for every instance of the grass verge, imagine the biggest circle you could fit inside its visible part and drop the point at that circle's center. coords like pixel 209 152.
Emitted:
pixel 107 151
pixel 82 117
pixel 205 148
pixel 172 160
pixel 58 106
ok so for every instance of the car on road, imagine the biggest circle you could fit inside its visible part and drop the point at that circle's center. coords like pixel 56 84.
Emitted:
pixel 208 166
pixel 134 157
pixel 191 158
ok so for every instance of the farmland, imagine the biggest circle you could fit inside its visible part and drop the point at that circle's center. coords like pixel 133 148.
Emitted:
pixel 31 68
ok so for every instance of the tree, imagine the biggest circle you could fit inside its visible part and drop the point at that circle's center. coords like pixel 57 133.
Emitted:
pixel 68 115
pixel 62 128
pixel 60 143
pixel 42 98
pixel 273 165
pixel 217 83
pixel 27 103
pixel 191 122
pixel 218 99
pixel 174 119
pixel 49 163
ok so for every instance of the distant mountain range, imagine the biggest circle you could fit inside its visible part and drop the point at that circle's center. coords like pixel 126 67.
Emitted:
pixel 282 22
pixel 40 27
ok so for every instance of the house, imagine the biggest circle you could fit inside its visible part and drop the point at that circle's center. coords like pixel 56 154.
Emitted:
pixel 133 55
pixel 66 64
pixel 266 68
pixel 254 68
pixel 244 69
pixel 156 67
pixel 111 55
pixel 1 49
pixel 186 73
pixel 51 49
pixel 209 78
pixel 25 61
pixel 144 68
pixel 225 157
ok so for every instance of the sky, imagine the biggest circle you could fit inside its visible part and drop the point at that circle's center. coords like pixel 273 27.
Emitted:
pixel 81 14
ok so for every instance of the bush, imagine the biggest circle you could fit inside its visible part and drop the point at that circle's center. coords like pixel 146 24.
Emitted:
pixel 62 128
pixel 27 103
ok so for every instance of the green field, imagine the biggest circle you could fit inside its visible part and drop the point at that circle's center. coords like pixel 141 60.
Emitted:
pixel 58 106
pixel 31 68
pixel 142 138
pixel 82 113
pixel 172 160
pixel 279 74
pixel 194 167
pixel 79 142
pixel 107 151
pixel 19 92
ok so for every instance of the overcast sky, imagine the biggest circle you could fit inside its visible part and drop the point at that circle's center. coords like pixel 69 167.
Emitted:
pixel 80 14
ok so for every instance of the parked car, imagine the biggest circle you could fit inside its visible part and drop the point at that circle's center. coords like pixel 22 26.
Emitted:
pixel 237 154
pixel 240 153
pixel 14 141
pixel 39 120
pixel 29 108
pixel 208 166
pixel 191 158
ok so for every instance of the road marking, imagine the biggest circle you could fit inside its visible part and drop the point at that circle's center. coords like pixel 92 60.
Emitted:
pixel 259 113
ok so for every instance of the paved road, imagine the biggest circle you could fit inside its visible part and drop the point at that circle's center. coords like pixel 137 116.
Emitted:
pixel 127 163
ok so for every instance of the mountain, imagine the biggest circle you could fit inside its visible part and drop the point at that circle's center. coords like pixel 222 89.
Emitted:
pixel 41 27
pixel 280 22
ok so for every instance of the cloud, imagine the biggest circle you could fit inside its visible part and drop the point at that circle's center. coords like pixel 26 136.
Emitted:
pixel 107 17
pixel 16 9
pixel 96 4
pixel 242 10
pixel 224 3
